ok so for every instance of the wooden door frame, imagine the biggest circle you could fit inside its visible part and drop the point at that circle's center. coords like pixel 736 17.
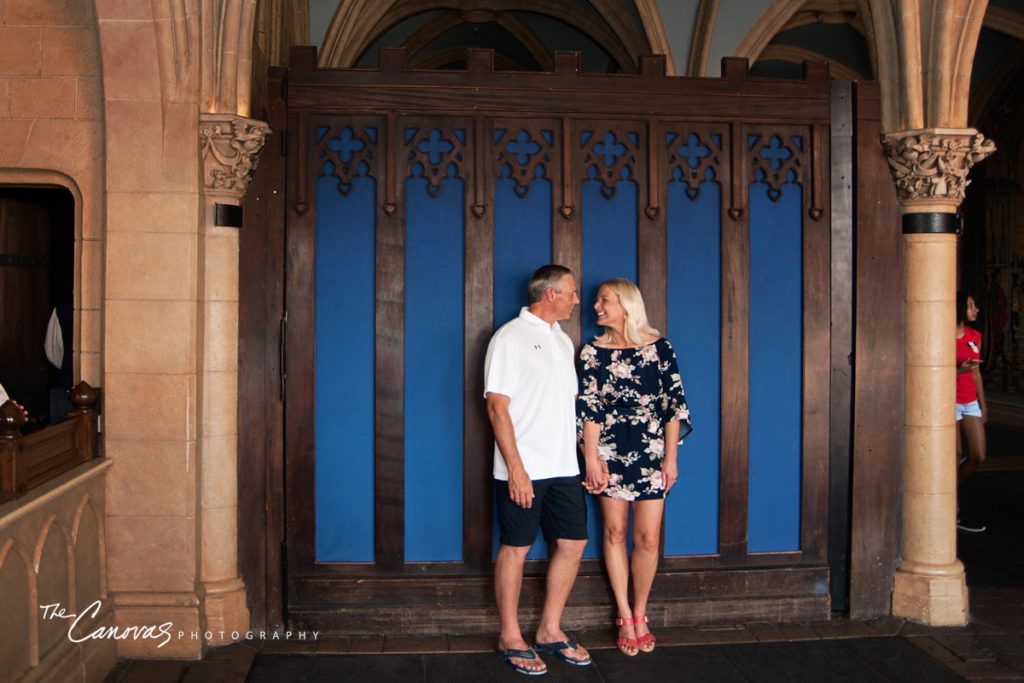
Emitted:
pixel 262 523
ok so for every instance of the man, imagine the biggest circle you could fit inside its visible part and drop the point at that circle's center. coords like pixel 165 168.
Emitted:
pixel 530 387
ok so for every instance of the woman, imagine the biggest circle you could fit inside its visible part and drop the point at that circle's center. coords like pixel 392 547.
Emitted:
pixel 633 417
pixel 971 411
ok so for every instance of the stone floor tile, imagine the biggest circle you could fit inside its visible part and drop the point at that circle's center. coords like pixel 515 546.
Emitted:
pixel 970 648
pixel 886 626
pixel 934 649
pixel 842 628
pixel 974 671
pixel 767 632
pixel 153 671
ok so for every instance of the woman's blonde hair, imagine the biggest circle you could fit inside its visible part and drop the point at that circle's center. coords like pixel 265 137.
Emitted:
pixel 636 327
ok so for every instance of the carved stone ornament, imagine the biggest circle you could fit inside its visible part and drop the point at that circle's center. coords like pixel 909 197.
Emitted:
pixel 230 148
pixel 930 166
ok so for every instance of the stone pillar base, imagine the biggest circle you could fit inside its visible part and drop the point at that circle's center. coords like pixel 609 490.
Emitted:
pixel 224 611
pixel 937 599
pixel 153 615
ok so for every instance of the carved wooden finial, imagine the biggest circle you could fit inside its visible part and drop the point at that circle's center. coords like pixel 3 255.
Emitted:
pixel 82 395
pixel 12 419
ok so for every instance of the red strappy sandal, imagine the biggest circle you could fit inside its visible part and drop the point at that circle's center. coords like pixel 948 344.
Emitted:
pixel 647 638
pixel 623 641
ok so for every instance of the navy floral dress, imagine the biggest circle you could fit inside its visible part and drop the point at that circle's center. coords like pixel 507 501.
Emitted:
pixel 631 394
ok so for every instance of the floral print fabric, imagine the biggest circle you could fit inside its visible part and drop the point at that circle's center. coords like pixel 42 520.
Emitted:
pixel 631 394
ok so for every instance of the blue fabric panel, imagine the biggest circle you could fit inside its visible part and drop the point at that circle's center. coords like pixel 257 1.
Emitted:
pixel 522 243
pixel 609 251
pixel 776 350
pixel 434 238
pixel 344 370
pixel 694 277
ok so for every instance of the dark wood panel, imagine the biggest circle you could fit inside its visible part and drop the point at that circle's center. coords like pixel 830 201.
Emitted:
pixel 735 434
pixel 841 387
pixel 260 409
pixel 816 342
pixel 389 363
pixel 465 606
pixel 299 354
pixel 477 482
pixel 566 221
pixel 878 370
pixel 565 90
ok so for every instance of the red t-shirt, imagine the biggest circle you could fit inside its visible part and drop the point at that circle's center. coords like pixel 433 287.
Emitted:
pixel 967 346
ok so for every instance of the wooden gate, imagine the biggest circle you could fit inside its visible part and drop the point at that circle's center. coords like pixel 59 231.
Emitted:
pixel 416 205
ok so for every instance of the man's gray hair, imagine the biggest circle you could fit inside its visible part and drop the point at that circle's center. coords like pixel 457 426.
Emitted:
pixel 544 277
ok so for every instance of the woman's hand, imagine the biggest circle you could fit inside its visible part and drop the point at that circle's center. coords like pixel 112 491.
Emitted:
pixel 597 476
pixel 669 473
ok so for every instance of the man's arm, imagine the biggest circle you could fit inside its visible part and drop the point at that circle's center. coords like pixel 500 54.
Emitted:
pixel 520 488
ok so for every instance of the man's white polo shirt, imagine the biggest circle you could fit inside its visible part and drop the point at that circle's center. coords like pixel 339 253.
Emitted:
pixel 531 362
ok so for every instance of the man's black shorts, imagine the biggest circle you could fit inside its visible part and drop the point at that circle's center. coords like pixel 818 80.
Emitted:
pixel 558 508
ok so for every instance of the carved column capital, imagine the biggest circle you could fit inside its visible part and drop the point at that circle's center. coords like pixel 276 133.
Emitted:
pixel 930 166
pixel 230 146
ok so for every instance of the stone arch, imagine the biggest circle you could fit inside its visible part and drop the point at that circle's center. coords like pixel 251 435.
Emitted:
pixel 357 23
pixel 657 36
pixel 797 55
pixel 767 26
pixel 87 536
pixel 19 604
pixel 55 577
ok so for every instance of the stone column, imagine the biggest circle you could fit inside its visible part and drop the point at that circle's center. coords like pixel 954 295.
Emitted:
pixel 930 169
pixel 230 146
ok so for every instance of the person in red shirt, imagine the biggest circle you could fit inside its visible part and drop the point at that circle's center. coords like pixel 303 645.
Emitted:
pixel 971 410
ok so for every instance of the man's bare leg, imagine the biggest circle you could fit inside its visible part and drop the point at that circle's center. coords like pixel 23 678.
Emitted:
pixel 508 580
pixel 562 569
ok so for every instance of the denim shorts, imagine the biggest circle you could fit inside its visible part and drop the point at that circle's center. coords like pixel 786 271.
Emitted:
pixel 972 409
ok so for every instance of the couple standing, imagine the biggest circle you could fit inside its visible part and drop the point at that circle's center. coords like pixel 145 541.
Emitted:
pixel 631 415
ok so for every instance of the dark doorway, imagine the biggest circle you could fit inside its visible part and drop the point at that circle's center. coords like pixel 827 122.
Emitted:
pixel 37 246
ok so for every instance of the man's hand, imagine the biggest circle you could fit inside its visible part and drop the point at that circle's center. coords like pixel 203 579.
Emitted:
pixel 520 488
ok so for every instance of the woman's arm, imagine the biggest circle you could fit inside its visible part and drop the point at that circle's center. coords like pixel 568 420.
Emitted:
pixel 597 472
pixel 670 465
pixel 980 386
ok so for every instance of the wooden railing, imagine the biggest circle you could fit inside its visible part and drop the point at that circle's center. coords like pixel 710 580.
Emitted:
pixel 26 461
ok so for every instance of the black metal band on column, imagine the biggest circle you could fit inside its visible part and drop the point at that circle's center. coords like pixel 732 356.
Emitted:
pixel 918 223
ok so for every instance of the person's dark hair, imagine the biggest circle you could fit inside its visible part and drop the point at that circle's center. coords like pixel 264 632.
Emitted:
pixel 544 277
pixel 961 306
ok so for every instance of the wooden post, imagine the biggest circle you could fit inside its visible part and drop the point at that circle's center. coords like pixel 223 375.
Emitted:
pixel 83 397
pixel 12 418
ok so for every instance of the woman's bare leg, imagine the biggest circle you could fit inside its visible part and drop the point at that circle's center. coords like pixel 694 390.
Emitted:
pixel 647 516
pixel 616 560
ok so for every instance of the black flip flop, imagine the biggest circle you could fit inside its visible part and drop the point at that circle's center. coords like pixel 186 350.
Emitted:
pixel 555 650
pixel 508 655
